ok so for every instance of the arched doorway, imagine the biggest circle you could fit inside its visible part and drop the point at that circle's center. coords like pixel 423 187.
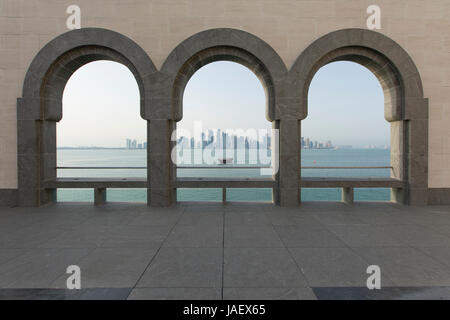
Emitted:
pixel 405 107
pixel 224 132
pixel 113 136
pixel 345 134
pixel 40 107
pixel 212 46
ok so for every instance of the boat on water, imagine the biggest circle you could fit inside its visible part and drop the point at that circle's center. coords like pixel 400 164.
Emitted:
pixel 225 160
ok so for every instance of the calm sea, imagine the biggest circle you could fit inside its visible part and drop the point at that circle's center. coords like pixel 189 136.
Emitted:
pixel 137 158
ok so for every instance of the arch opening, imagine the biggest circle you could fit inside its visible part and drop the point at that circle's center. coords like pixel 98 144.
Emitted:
pixel 113 135
pixel 223 54
pixel 224 95
pixel 380 66
pixel 222 44
pixel 40 107
pixel 405 107
pixel 392 86
pixel 345 134
pixel 52 91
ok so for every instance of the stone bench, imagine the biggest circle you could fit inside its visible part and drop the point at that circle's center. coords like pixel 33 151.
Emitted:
pixel 349 184
pixel 100 185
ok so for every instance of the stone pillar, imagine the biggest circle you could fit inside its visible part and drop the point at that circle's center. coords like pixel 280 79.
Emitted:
pixel 288 176
pixel 398 161
pixel 409 152
pixel 28 128
pixel 47 161
pixel 417 162
pixel 161 191
pixel 276 192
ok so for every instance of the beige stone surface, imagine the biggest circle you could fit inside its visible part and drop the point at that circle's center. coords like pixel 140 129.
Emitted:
pixel 289 26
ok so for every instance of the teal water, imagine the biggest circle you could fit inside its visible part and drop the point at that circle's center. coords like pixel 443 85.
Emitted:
pixel 137 158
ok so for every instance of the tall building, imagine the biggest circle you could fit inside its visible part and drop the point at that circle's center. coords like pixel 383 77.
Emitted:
pixel 247 151
pixel 218 139
pixel 235 140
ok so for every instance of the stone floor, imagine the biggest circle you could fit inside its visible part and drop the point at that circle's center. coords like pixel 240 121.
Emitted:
pixel 237 251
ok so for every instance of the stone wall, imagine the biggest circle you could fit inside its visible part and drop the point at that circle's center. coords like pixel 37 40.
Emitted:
pixel 158 26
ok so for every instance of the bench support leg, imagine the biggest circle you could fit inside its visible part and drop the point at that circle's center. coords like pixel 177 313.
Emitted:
pixel 398 195
pixel 99 196
pixel 224 195
pixel 49 196
pixel 347 195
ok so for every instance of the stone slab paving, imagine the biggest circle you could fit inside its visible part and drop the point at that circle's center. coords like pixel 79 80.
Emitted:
pixel 237 251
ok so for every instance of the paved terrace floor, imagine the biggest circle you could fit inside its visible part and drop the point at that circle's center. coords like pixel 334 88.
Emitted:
pixel 237 251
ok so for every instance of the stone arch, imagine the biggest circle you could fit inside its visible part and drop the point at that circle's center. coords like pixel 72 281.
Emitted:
pixel 405 106
pixel 189 56
pixel 223 45
pixel 40 106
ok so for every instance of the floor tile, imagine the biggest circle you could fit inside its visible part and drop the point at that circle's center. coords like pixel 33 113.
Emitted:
pixel 9 254
pixel 136 236
pixel 407 266
pixel 195 236
pixel 441 254
pixel 305 236
pixel 364 236
pixel 39 268
pixel 388 293
pixel 338 218
pixel 336 267
pixel 213 219
pixel 176 294
pixel 261 267
pixel 65 294
pixel 268 294
pixel 112 267
pixel 184 268
pixel 251 237
pixel 417 236
pixel 234 218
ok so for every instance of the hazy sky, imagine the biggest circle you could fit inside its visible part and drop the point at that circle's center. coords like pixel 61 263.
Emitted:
pixel 101 107
pixel 101 104
pixel 346 106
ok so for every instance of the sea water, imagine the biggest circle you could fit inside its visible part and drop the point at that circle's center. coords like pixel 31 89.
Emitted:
pixel 137 158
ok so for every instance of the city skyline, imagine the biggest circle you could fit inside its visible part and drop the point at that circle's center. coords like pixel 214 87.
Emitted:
pixel 306 143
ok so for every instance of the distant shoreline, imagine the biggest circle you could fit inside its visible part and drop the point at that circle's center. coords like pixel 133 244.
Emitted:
pixel 118 148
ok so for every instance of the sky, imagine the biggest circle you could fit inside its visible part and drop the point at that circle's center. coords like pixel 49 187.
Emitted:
pixel 345 104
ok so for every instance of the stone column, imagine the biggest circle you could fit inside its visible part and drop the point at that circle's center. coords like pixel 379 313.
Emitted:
pixel 28 128
pixel 398 161
pixel 417 161
pixel 288 176
pixel 276 192
pixel 47 161
pixel 160 169
pixel 409 153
